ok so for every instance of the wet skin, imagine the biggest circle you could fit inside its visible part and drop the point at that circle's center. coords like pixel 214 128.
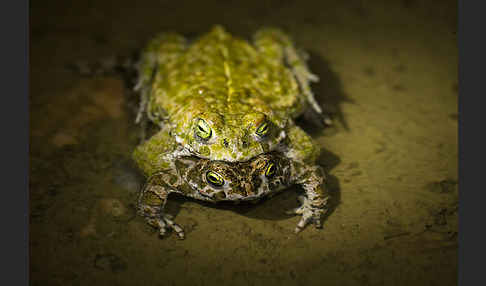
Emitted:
pixel 226 106
pixel 216 181
pixel 223 98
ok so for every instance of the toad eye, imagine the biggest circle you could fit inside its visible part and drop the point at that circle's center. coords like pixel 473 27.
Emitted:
pixel 262 130
pixel 203 130
pixel 214 179
pixel 271 170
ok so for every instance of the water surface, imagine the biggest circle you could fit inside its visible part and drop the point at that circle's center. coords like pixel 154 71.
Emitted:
pixel 389 69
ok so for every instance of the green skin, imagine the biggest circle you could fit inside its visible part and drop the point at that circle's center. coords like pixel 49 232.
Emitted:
pixel 215 181
pixel 222 98
pixel 226 102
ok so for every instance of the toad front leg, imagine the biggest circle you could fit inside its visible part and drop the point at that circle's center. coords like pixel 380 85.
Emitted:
pixel 314 203
pixel 151 206
pixel 303 152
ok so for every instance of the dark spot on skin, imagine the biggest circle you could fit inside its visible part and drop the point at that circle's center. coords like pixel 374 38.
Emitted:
pixel 225 142
pixel 152 199
pixel 454 116
pixel 265 147
pixel 256 181
pixel 244 144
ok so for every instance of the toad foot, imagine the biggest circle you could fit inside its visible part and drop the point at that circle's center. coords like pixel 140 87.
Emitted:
pixel 310 213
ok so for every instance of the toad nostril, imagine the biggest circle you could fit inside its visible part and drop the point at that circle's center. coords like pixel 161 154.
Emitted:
pixel 244 144
pixel 225 142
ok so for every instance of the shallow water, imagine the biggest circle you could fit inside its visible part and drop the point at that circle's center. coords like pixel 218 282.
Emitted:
pixel 388 69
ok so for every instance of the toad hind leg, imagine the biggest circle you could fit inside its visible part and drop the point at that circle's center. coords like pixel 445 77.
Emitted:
pixel 151 207
pixel 277 46
pixel 161 52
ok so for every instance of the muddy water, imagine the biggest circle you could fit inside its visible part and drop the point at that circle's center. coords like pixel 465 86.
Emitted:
pixel 388 69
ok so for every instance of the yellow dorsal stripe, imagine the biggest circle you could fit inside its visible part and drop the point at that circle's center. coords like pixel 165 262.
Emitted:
pixel 227 72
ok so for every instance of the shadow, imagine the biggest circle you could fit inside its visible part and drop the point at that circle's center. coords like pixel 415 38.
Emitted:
pixel 329 95
pixel 275 207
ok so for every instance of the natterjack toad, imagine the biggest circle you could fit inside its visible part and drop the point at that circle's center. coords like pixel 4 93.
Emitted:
pixel 221 97
pixel 216 181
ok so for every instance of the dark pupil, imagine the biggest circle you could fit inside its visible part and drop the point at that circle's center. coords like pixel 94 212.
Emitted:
pixel 212 178
pixel 263 128
pixel 201 129
pixel 270 171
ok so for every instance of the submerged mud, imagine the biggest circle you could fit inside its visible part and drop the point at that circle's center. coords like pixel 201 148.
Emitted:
pixel 387 70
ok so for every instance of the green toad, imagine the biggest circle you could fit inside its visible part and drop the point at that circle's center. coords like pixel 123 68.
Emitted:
pixel 223 98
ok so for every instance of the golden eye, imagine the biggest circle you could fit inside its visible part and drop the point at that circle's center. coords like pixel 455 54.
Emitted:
pixel 203 130
pixel 262 130
pixel 271 169
pixel 214 179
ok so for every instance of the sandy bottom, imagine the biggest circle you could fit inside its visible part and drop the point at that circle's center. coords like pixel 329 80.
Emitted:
pixel 388 69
